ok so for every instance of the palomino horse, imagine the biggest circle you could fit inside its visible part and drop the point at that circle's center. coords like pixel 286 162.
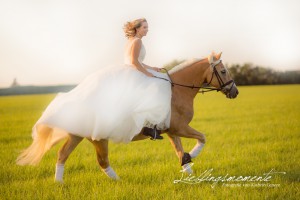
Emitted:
pixel 186 79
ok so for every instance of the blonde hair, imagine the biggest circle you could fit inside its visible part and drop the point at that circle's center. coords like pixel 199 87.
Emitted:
pixel 130 27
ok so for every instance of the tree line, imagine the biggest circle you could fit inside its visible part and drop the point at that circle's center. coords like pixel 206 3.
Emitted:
pixel 20 90
pixel 250 74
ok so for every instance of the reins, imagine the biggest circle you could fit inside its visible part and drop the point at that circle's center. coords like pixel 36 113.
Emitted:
pixel 202 89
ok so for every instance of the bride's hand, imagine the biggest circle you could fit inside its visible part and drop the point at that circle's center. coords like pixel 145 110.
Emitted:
pixel 149 74
pixel 156 69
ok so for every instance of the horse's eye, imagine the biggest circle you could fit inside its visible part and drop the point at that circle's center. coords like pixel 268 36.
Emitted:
pixel 223 71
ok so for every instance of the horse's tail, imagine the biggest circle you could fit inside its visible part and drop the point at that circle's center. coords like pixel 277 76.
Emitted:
pixel 44 138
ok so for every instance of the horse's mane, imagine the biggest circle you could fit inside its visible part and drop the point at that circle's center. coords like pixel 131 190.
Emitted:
pixel 190 62
pixel 183 65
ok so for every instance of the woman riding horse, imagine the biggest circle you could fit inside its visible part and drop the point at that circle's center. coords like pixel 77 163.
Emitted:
pixel 115 104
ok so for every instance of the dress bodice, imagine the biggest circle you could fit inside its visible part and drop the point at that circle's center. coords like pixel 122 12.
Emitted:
pixel 127 55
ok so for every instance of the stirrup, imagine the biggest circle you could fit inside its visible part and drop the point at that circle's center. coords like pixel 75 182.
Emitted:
pixel 153 133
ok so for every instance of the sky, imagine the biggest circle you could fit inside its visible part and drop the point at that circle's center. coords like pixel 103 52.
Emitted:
pixel 51 42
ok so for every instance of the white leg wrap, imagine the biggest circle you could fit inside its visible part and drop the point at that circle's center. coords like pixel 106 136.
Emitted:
pixel 111 173
pixel 59 172
pixel 187 168
pixel 196 150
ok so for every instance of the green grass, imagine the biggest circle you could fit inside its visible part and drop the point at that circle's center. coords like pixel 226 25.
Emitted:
pixel 250 135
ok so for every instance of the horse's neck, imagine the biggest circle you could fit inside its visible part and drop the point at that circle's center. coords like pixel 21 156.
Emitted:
pixel 193 75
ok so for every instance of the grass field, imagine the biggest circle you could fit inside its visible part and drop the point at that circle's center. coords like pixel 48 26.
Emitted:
pixel 248 136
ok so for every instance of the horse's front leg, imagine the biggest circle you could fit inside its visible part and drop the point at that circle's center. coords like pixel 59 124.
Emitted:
pixel 188 132
pixel 184 158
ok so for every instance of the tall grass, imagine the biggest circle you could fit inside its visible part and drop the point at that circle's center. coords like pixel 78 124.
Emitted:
pixel 251 135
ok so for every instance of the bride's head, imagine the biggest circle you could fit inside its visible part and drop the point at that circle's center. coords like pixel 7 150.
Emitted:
pixel 138 28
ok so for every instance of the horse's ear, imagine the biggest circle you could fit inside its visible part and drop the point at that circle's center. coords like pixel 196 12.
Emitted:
pixel 218 56
pixel 211 58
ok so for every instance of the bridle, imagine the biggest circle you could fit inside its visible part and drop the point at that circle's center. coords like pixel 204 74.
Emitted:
pixel 203 89
pixel 220 81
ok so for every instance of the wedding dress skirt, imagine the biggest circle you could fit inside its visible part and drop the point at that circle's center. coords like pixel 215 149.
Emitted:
pixel 113 103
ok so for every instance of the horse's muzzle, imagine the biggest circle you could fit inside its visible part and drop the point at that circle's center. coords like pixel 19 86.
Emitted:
pixel 231 91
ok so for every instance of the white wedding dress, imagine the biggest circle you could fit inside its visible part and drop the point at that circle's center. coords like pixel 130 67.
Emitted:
pixel 113 103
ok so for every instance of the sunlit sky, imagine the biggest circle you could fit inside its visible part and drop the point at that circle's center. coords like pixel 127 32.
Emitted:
pixel 49 42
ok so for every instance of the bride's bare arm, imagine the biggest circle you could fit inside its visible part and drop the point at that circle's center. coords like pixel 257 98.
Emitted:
pixel 149 67
pixel 136 47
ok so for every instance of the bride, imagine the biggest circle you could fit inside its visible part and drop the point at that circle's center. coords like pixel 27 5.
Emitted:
pixel 115 103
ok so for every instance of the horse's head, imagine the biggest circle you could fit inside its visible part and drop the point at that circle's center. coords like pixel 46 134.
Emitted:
pixel 218 76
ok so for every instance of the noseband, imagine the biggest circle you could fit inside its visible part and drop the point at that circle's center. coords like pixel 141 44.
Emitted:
pixel 201 88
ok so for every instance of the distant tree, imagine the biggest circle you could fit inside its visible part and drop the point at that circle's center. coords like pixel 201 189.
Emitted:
pixel 289 77
pixel 248 74
pixel 15 83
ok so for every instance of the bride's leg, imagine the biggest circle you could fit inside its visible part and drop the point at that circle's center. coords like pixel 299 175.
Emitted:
pixel 153 133
pixel 140 136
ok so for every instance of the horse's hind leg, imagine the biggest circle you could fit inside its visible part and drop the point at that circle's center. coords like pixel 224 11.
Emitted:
pixel 63 155
pixel 101 147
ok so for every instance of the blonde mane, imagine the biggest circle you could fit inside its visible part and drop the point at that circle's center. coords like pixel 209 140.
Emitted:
pixel 183 65
pixel 192 61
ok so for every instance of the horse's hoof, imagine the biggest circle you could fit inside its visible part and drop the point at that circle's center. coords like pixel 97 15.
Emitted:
pixel 187 168
pixel 111 173
pixel 117 178
pixel 59 181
